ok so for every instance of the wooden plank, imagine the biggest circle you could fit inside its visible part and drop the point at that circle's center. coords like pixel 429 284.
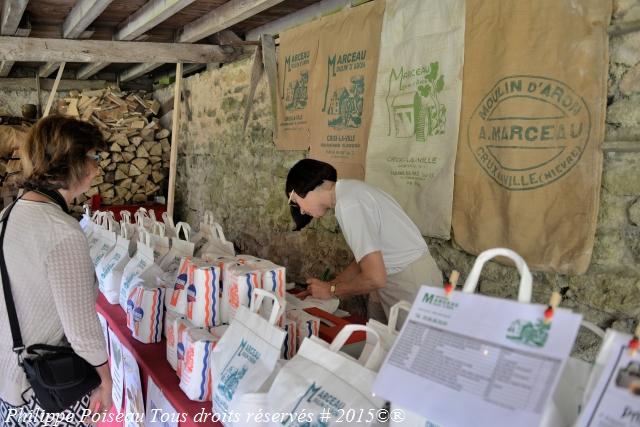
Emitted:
pixel 53 90
pixel 151 14
pixel 257 70
pixel 90 69
pixel 175 128
pixel 621 146
pixel 270 68
pixel 12 11
pixel 44 50
pixel 84 12
pixel 5 68
pixel 47 84
pixel 138 70
pixel 223 17
pixel 624 28
pixel 47 69
pixel 299 17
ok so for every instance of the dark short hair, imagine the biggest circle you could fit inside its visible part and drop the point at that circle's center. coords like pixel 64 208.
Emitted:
pixel 303 177
pixel 54 154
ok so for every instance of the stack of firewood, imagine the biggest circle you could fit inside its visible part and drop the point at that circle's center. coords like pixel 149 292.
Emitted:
pixel 135 166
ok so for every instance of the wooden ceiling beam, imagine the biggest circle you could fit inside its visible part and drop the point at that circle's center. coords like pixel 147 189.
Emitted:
pixel 223 17
pixel 81 16
pixel 151 14
pixel 218 19
pixel 58 50
pixel 299 17
pixel 12 11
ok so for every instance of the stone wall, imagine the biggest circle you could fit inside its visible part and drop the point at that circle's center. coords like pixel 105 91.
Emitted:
pixel 240 177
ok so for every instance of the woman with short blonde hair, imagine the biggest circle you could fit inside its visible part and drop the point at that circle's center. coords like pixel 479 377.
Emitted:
pixel 50 272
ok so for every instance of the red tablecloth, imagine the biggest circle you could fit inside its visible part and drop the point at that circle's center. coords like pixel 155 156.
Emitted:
pixel 153 362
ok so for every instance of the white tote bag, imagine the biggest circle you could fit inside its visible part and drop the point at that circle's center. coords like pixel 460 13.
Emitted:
pixel 179 248
pixel 387 333
pixel 170 226
pixel 321 378
pixel 85 221
pixel 159 241
pixel 141 261
pixel 106 240
pixel 247 353
pixel 109 270
pixel 216 241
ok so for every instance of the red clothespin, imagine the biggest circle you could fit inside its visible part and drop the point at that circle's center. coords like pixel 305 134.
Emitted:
pixel 451 284
pixel 634 344
pixel 554 302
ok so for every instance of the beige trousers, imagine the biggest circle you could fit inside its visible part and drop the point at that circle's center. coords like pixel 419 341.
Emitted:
pixel 403 286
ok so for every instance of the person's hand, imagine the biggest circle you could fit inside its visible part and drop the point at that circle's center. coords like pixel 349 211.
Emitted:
pixel 100 401
pixel 318 288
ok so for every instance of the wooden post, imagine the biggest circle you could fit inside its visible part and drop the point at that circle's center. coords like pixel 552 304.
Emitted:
pixel 175 127
pixel 54 89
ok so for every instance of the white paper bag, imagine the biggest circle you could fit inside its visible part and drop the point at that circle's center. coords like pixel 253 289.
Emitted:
pixel 387 333
pixel 179 248
pixel 195 380
pixel 170 227
pixel 321 378
pixel 171 334
pixel 203 295
pixel 141 261
pixel 247 354
pixel 105 240
pixel 183 326
pixel 216 242
pixel 145 312
pixel 290 346
pixel 176 298
pixel 239 281
pixel 159 241
pixel 308 325
pixel 110 268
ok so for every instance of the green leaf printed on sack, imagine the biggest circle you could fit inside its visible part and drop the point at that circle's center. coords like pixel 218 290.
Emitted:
pixel 415 110
pixel 528 333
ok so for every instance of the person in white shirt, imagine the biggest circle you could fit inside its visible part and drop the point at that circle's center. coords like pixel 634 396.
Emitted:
pixel 392 259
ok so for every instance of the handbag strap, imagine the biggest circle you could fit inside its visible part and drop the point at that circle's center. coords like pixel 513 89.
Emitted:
pixel 18 346
pixel 14 324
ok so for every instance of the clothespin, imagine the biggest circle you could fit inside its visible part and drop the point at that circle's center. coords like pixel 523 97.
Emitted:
pixel 554 302
pixel 634 344
pixel 451 284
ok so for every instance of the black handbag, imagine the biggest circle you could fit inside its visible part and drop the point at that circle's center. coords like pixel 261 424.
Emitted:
pixel 58 376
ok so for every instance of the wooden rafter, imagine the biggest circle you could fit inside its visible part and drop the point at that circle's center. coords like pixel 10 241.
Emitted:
pixel 36 49
pixel 151 14
pixel 219 19
pixel 12 11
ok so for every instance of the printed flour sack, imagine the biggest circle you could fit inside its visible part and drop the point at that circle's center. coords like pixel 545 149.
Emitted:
pixel 247 353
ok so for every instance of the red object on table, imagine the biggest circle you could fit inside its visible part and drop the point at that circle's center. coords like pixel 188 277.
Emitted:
pixel 158 208
pixel 153 363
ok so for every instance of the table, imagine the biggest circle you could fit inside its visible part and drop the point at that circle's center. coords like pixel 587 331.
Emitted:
pixel 153 363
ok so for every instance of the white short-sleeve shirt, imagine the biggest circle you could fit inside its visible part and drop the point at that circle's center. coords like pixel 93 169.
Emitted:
pixel 371 220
